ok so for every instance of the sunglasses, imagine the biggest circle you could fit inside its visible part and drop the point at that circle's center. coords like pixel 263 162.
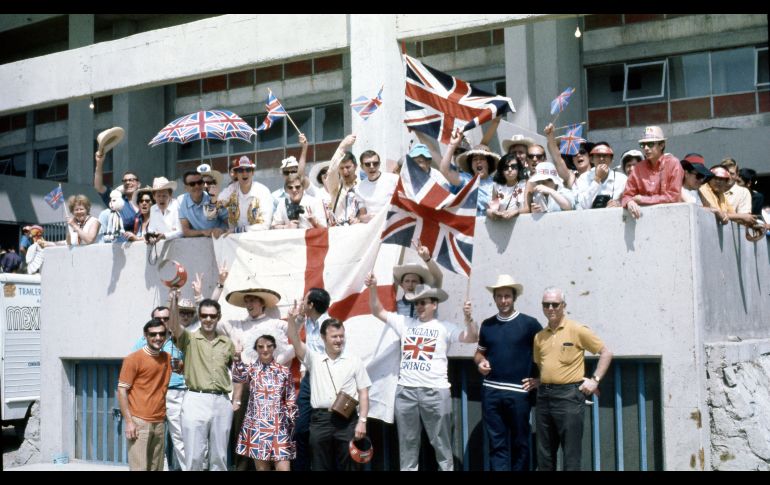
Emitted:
pixel 132 179
pixel 536 156
pixel 698 175
pixel 294 187
pixel 550 304
pixel 511 167
pixel 193 184
pixel 162 319
pixel 156 334
pixel 422 302
pixel 582 152
pixel 187 314
pixel 148 201
pixel 209 316
pixel 371 164
pixel 209 182
pixel 289 172
pixel 243 169
pixel 647 144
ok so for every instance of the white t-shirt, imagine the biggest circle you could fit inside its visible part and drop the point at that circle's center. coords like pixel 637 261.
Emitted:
pixel 424 347
pixel 376 195
pixel 310 204
pixel 252 211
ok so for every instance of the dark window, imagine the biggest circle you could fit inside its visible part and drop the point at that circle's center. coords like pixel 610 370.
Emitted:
pixel 15 165
pixel 51 163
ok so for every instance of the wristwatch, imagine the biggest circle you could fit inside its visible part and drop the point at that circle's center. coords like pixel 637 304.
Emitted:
pixel 220 285
pixel 596 378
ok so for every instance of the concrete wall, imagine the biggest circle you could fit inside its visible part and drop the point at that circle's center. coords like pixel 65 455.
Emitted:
pixel 641 285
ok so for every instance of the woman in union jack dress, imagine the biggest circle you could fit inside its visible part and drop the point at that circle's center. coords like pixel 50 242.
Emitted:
pixel 267 434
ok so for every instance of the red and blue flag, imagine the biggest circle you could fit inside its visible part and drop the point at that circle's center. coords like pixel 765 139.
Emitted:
pixel 365 107
pixel 275 110
pixel 55 198
pixel 570 143
pixel 561 101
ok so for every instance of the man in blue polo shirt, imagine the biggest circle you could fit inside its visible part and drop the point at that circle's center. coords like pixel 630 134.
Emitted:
pixel 198 216
pixel 504 358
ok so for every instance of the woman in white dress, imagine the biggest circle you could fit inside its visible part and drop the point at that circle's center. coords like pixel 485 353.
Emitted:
pixel 507 189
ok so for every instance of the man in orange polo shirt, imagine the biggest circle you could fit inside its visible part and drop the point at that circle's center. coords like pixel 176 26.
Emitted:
pixel 142 386
pixel 559 353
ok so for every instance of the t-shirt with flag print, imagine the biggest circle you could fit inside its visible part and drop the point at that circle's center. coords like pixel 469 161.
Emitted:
pixel 424 347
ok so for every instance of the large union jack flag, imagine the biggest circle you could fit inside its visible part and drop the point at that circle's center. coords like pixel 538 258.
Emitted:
pixel 275 110
pixel 570 143
pixel 437 103
pixel 421 209
pixel 217 124
pixel 365 107
pixel 561 101
pixel 418 348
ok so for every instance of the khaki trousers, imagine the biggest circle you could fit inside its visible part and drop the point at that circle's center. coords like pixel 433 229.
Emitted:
pixel 145 453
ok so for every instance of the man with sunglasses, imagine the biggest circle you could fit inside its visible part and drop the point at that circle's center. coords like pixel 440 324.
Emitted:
pixel 423 393
pixel 194 218
pixel 559 352
pixel 130 185
pixel 601 186
pixel 207 412
pixel 377 188
pixel 695 174
pixel 291 166
pixel 144 377
pixel 655 180
pixel 249 203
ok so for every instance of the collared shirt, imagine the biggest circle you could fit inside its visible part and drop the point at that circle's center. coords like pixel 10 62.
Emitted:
pixel 177 380
pixel 346 204
pixel 560 353
pixel 248 330
pixel 127 213
pixel 278 196
pixel 166 223
pixel 550 204
pixel 145 374
pixel 714 200
pixel 659 185
pixel 740 198
pixel 313 337
pixel 345 373
pixel 195 214
pixel 691 197
pixel 206 362
pixel 587 188
pixel 252 211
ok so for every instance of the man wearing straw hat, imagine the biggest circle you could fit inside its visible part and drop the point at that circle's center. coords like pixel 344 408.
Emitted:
pixel 655 180
pixel 477 161
pixel 423 388
pixel 245 333
pixel 408 276
pixel 504 358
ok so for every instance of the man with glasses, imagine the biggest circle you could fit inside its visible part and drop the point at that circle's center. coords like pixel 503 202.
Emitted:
pixel 207 412
pixel 249 204
pixel 144 377
pixel 715 200
pixel 194 218
pixel 655 180
pixel 377 188
pixel 695 174
pixel 299 210
pixel 559 352
pixel 347 207
pixel 601 186
pixel 290 166
pixel 423 393
pixel 130 185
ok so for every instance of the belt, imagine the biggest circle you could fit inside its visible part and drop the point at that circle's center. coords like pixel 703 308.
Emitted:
pixel 204 391
pixel 559 386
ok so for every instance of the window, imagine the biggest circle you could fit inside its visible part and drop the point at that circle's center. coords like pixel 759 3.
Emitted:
pixel 733 70
pixel 51 163
pixel 646 80
pixel 605 85
pixel 762 70
pixel 689 76
pixel 15 165
pixel 329 123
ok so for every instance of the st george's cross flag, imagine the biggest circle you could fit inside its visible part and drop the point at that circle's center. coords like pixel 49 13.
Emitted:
pixel 275 110
pixel 291 261
pixel 437 103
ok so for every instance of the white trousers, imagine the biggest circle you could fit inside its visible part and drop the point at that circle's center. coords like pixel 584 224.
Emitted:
pixel 206 422
pixel 174 399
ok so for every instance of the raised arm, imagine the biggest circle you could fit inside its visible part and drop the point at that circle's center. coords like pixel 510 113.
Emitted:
pixel 490 133
pixel 99 173
pixel 471 333
pixel 435 270
pixel 333 183
pixel 173 321
pixel 561 166
pixel 453 176
pixel 292 330
pixel 374 300
pixel 302 160
pixel 430 143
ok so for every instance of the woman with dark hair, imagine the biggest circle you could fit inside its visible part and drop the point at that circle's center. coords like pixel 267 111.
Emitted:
pixel 267 434
pixel 507 189
pixel 145 201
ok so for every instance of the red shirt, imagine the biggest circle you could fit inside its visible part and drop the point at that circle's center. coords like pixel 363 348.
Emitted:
pixel 659 185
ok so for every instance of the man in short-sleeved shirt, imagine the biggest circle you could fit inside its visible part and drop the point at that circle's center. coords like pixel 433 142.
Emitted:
pixel 249 204
pixel 198 216
pixel 558 352
pixel 142 384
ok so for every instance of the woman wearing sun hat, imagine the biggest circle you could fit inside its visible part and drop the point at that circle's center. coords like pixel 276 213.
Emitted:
pixel 479 160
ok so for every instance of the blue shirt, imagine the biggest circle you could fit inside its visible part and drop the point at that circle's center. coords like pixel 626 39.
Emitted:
pixel 485 191
pixel 507 345
pixel 313 337
pixel 127 213
pixel 196 217
pixel 177 380
pixel 278 195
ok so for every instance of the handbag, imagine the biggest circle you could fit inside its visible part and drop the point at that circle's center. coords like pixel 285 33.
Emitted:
pixel 344 404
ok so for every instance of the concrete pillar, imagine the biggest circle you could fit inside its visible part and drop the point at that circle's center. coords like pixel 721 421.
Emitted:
pixel 80 133
pixel 375 61
pixel 141 113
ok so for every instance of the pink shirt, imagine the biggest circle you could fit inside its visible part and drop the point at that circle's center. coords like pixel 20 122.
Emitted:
pixel 660 185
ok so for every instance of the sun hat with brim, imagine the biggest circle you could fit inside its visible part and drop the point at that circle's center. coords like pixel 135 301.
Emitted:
pixel 205 169
pixel 631 153
pixel 652 133
pixel 720 172
pixel 313 176
pixel 162 183
pixel 289 162
pixel 478 150
pixel 109 138
pixel 186 304
pixel 243 162
pixel 270 297
pixel 545 171
pixel 517 140
pixel 506 281
pixel 413 268
pixel 696 163
pixel 426 291
pixel 601 150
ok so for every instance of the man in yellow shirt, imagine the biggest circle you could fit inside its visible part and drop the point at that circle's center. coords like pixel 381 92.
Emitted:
pixel 559 353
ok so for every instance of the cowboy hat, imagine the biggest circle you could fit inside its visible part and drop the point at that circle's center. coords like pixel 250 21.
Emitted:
pixel 478 150
pixel 313 176
pixel 186 304
pixel 109 138
pixel 289 162
pixel 425 291
pixel 162 183
pixel 205 169
pixel 414 268
pixel 270 297
pixel 517 140
pixel 506 281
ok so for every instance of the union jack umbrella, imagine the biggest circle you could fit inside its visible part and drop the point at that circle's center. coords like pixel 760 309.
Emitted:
pixel 216 124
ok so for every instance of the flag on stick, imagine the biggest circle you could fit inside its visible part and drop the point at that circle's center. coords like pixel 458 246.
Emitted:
pixel 365 107
pixel 570 143
pixel 55 198
pixel 275 110
pixel 561 101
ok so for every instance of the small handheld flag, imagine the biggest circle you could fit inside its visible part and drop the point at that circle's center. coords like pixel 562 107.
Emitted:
pixel 365 107
pixel 275 110
pixel 561 101
pixel 55 198
pixel 570 143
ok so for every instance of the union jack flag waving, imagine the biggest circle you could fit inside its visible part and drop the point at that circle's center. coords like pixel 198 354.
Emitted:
pixel 420 208
pixel 437 103
pixel 561 101
pixel 275 110
pixel 55 198
pixel 570 143
pixel 365 107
